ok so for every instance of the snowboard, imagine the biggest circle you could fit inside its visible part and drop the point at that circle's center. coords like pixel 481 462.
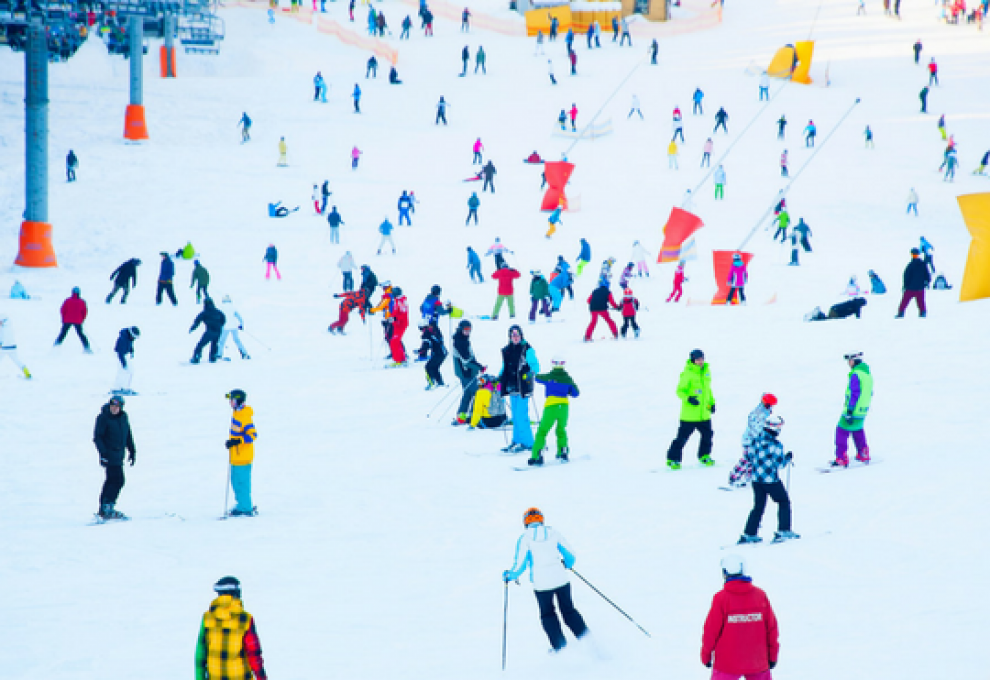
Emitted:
pixel 552 463
pixel 853 465
pixel 688 467
pixel 802 537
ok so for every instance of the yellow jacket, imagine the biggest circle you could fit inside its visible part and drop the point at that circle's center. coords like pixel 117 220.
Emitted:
pixel 242 429
pixel 385 304
pixel 281 147
pixel 482 398
pixel 672 149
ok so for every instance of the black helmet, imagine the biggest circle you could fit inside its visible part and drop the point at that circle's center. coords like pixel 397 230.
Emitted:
pixel 463 324
pixel 396 292
pixel 435 290
pixel 135 331
pixel 228 585
pixel 240 396
pixel 697 354
pixel 117 399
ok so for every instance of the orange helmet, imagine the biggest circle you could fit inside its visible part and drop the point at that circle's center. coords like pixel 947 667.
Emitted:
pixel 533 516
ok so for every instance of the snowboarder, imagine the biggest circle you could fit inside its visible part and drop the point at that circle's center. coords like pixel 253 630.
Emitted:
pixel 554 219
pixel 548 556
pixel 984 162
pixel 763 458
pixel 721 118
pixel 240 444
pixel 124 278
pixel 679 279
pixel 916 280
pixel 719 178
pixel 442 107
pixel 809 133
pixel 519 367
pixel 112 436
pixel 271 262
pixel 629 306
pixel 474 265
pixel 351 301
pixel 466 368
pixel 200 279
pixel 488 173
pixel 393 76
pixel 432 346
pixel 599 303
pixel 740 634
pixel 559 387
pixel 8 345
pixel 71 163
pixel 738 276
pixel 842 310
pixel 432 308
pixel 165 275
pixel 694 389
pixel 213 322
pixel 124 348
pixel 74 313
pixel 385 229
pixel 859 394
pixel 941 127
pixel 505 275
pixel 804 231
pixel 228 645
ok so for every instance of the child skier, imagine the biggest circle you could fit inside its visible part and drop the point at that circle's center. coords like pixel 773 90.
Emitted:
pixel 630 305
pixel 489 406
pixel 352 300
pixel 761 462
pixel 432 346
pixel 679 279
pixel 559 388
pixel 400 322
pixel 627 273
pixel 738 276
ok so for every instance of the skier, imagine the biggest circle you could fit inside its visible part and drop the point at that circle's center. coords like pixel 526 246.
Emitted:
pixel 625 33
pixel 916 280
pixel 762 461
pixel 124 347
pixel 756 421
pixel 283 160
pixel 573 116
pixel 868 133
pixel 738 276
pixel 615 29
pixel 554 27
pixel 321 88
pixel 385 307
pixel 245 125
pixel 562 120
pixel 479 61
pixel 926 254
pixel 488 172
pixel 473 204
pixel 400 322
pixel 917 51
pixel 679 279
pixel 672 155
pixel 385 229
pixel 740 634
pixel 351 301
pixel 554 219
pixel 572 57
pixel 782 221
pixel 783 164
pixel 406 26
pixel 559 387
pixel 474 265
pixel 764 86
pixel 165 275
pixel 539 294
pixel 477 149
pixel 634 107
pixel 405 205
pixel 781 125
pixel 923 96
pixel 74 313
pixel 553 79
pixel 8 345
pixel 356 96
pixel 941 126
pixel 599 303
pixel 505 275
pixel 442 107
pixel 696 98
pixel 795 242
pixel 465 20
pixel 706 154
pixel 721 118
pixel 627 273
pixel 640 255
pixel 240 444
pixel 200 279
pixel 584 257
pixel 71 163
pixel 432 308
pixel 124 278
pixel 694 389
pixel 804 230
pixel 432 345
pixel 325 194
pixel 654 48
pixel 859 394
pixel 809 133
pixel 498 250
pixel 465 57
pixel 213 321
pixel 912 202
pixel 548 556
pixel 466 368
pixel 630 305
pixel 355 157
pixel 876 284
pixel 519 366
pixel 372 68
pixel 369 282
pixel 719 178
pixel 951 161
pixel 932 72
pixel 271 262
pixel 112 436
pixel 334 220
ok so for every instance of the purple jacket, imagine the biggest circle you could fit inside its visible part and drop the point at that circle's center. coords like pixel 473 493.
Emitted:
pixel 738 275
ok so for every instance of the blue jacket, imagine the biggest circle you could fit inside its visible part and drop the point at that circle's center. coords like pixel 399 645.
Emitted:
pixel 585 253
pixel 386 228
pixel 405 203
pixel 167 271
pixel 473 259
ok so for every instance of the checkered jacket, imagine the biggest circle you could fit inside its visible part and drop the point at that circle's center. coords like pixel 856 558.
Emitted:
pixel 760 462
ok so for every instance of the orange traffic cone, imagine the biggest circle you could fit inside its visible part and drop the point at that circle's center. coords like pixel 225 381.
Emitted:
pixel 134 126
pixel 36 246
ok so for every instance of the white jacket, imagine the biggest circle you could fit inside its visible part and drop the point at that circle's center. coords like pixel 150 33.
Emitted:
pixel 639 253
pixel 764 80
pixel 7 334
pixel 635 102
pixel 346 262
pixel 233 317
pixel 912 196
pixel 547 556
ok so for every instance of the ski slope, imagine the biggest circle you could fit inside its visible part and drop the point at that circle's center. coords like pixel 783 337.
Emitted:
pixel 379 545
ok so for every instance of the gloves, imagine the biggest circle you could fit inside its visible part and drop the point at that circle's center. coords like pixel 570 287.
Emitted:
pixel 713 408
pixel 789 456
pixel 849 414
pixel 103 460
pixel 240 328
pixel 708 665
pixel 231 443
pixel 773 664
pixel 694 401
pixel 506 576
pixel 131 458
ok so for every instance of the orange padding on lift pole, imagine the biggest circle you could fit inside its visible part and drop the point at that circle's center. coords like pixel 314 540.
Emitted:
pixel 168 62
pixel 134 125
pixel 36 246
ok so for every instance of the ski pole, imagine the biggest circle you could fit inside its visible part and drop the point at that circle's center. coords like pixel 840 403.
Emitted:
pixel 255 338
pixel 787 487
pixel 442 400
pixel 226 494
pixel 505 622
pixel 610 602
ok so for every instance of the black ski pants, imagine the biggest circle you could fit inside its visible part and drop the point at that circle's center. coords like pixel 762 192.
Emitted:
pixel 488 184
pixel 628 321
pixel 778 493
pixel 433 368
pixel 125 286
pixel 469 386
pixel 704 428
pixel 112 485
pixel 79 332
pixel 211 338
pixel 166 288
pixel 548 615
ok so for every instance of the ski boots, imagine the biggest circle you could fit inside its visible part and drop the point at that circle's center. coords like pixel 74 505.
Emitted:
pixel 244 355
pixel 839 463
pixel 746 539
pixel 673 465
pixel 864 456
pixel 461 419
pixel 781 536
pixel 536 460
pixel 244 513
pixel 563 455
pixel 108 512
pixel 706 461
pixel 27 373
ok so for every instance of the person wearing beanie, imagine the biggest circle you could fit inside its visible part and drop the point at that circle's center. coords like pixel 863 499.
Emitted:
pixel 228 644
pixel 213 322
pixel 466 368
pixel 757 419
pixel 599 303
pixel 559 388
pixel 916 280
pixel 859 395
pixel 519 366
pixel 762 459
pixel 112 436
pixel 74 313
pixel 539 294
pixel 124 348
pixel 232 327
pixel 488 410
pixel 740 633
pixel 547 555
pixel 697 406
pixel 200 279
pixel 400 322
pixel 240 444
pixel 434 347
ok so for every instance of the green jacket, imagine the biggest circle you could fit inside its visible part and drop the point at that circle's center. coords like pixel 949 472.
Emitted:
pixel 539 288
pixel 783 219
pixel 188 251
pixel 201 276
pixel 696 382
pixel 861 405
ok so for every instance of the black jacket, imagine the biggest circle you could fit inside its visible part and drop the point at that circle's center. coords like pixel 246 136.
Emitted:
pixel 112 436
pixel 126 272
pixel 211 317
pixel 466 367
pixel 600 299
pixel 488 171
pixel 916 276
pixel 844 309
pixel 369 282
pixel 125 342
pixel 432 344
pixel 517 375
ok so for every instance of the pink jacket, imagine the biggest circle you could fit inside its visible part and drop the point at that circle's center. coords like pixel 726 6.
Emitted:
pixel 478 146
pixel 738 275
pixel 709 146
pixel 355 153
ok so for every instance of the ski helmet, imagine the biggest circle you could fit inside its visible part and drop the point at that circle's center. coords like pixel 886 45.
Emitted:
pixel 773 424
pixel 697 354
pixel 854 356
pixel 516 328
pixel 769 400
pixel 435 290
pixel 135 332
pixel 533 516
pixel 239 396
pixel 558 360
pixel 463 324
pixel 228 585
pixel 118 400
pixel 76 291
pixel 397 292
pixel 733 565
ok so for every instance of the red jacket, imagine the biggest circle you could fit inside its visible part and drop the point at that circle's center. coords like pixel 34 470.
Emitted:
pixel 400 314
pixel 679 277
pixel 932 67
pixel 740 631
pixel 629 304
pixel 74 310
pixel 505 277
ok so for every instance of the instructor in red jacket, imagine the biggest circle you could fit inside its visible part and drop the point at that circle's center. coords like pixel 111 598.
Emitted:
pixel 740 637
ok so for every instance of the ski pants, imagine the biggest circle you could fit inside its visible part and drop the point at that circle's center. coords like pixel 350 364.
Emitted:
pixel 556 296
pixel 200 292
pixel 211 338
pixel 782 233
pixel 778 493
pixel 125 286
pixel 472 212
pixel 684 430
pixel 628 321
pixel 918 296
pixel 553 415
pixel 335 235
pixel 269 266
pixel 440 116
pixel 395 342
pixel 678 132
pixel 79 332
pixel 240 480
pixel 719 191
pixel 522 432
pixel 675 294
pixel 348 282
pixel 842 444
pixel 475 270
pixel 165 288
pixel 511 299
pixel 912 207
pixel 580 266
pixel 386 238
pixel 594 322
pixel 732 295
pixel 488 184
pixel 125 374
pixel 548 615
pixel 477 158
pixel 112 485
pixel 720 124
pixel 234 333
pixel 12 353
pixel 433 368
pixel 764 92
pixel 341 321
pixel 706 160
pixel 544 308
pixel 469 386
pixel 404 215
pixel 721 675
